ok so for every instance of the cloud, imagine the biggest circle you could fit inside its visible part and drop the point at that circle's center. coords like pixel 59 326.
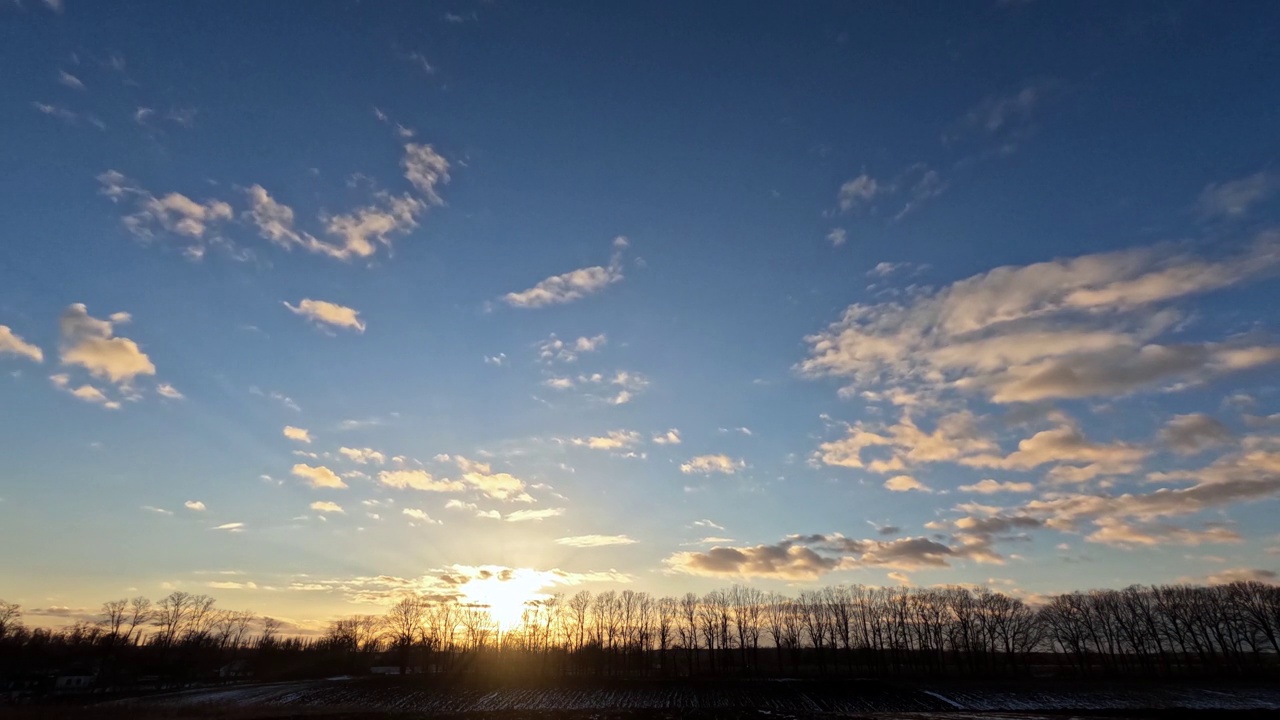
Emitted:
pixel 1233 199
pixel 499 485
pixel 1233 575
pixel 837 237
pixel 90 343
pixel 991 487
pixel 318 477
pixel 326 506
pixel 296 433
pixel 194 505
pixel 905 483
pixel 528 515
pixel 570 286
pixel 614 440
pixel 424 168
pixel 174 214
pixel 784 561
pixel 709 464
pixel 670 437
pixel 996 112
pixel 420 516
pixel 954 436
pixel 708 524
pixel 1068 328
pixel 1194 433
pixel 275 223
pixel 418 480
pixel 70 80
pixel 807 557
pixel 321 311
pixel 857 193
pixel 56 111
pixel 168 391
pixel 231 527
pixel 364 229
pixel 156 510
pixel 12 344
pixel 1067 446
pixel 588 541
pixel 364 456
pixel 279 397
pixel 232 585
pixel 87 393
pixel 553 349
pixel 361 231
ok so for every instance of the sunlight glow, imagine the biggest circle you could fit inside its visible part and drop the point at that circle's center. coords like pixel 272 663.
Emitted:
pixel 506 594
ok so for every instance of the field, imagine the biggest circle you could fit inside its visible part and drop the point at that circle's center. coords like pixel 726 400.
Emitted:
pixel 367 698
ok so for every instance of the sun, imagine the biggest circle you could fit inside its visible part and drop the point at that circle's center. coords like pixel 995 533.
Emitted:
pixel 506 594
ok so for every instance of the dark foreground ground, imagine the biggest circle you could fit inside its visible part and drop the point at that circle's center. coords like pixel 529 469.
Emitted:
pixel 388 698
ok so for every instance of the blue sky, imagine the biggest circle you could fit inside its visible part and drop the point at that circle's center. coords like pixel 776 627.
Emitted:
pixel 303 304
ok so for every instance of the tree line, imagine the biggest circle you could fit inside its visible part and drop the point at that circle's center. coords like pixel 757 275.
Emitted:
pixel 1140 631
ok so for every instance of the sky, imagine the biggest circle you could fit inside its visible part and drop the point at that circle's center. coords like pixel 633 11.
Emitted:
pixel 307 305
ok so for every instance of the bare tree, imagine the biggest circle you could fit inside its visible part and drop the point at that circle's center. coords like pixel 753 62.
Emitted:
pixel 10 618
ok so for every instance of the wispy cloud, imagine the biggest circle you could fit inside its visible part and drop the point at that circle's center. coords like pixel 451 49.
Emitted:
pixel 570 286
pixel 589 541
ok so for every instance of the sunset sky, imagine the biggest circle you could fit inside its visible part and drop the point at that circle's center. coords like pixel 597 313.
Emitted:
pixel 306 304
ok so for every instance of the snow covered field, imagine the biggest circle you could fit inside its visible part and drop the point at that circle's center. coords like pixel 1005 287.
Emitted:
pixel 788 699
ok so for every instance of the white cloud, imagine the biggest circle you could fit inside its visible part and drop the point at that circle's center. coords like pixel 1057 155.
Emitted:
pixel 418 480
pixel 425 169
pixel 1069 328
pixel 570 286
pixel 858 192
pixel 325 506
pixel 998 112
pixel 420 516
pixel 87 393
pixel 176 214
pixel 670 437
pixel 613 440
pixel 363 456
pixel 588 541
pixel 318 477
pixel 496 485
pixel 296 433
pixel 990 487
pixel 905 483
pixel 13 344
pixel 364 229
pixel 1234 198
pixel 528 515
pixel 90 343
pixel 321 311
pixel 156 510
pixel 56 111
pixel 837 237
pixel 168 391
pixel 231 527
pixel 709 464
pixel 554 349
pixel 70 80
pixel 194 505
